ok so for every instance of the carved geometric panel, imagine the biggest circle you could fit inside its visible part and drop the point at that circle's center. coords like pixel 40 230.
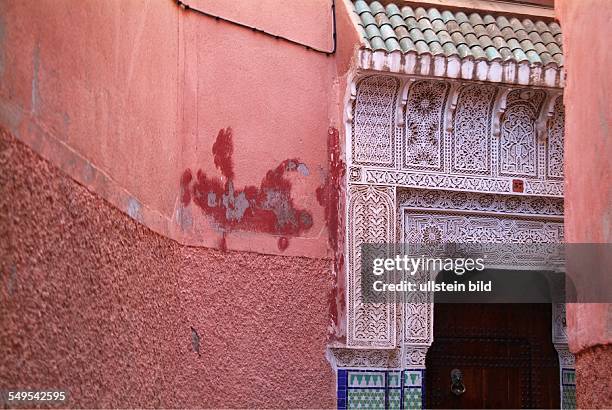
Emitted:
pixel 554 157
pixel 480 203
pixel 433 217
pixel 424 139
pixel 371 219
pixel 374 114
pixel 518 148
pixel 471 137
pixel 428 227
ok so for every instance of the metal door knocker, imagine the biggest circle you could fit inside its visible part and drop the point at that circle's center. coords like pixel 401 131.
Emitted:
pixel 457 386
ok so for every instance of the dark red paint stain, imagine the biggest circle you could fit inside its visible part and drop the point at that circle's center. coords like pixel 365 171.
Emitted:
pixel 328 194
pixel 329 197
pixel 222 150
pixel 268 208
pixel 185 192
pixel 283 243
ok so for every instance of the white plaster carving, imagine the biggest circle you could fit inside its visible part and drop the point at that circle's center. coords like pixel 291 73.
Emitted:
pixel 414 356
pixel 411 179
pixel 554 157
pixel 471 140
pixel 518 153
pixel 371 219
pixel 373 121
pixel 424 125
pixel 367 358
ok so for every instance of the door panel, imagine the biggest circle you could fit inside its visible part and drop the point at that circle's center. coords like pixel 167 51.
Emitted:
pixel 504 352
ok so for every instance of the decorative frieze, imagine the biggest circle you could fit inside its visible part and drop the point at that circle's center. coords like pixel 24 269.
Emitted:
pixel 456 135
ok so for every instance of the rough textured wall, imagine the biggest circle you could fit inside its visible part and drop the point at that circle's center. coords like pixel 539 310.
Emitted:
pixel 594 387
pixel 588 172
pixel 94 302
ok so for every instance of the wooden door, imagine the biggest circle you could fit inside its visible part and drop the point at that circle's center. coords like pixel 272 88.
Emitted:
pixel 504 352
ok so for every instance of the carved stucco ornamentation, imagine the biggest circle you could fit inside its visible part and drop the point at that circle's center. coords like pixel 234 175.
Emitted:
pixel 554 159
pixel 461 145
pixel 414 356
pixel 371 219
pixel 367 358
pixel 518 145
pixel 373 119
pixel 471 142
pixel 424 125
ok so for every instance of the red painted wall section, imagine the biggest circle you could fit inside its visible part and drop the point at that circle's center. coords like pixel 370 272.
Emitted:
pixel 125 97
pixel 588 171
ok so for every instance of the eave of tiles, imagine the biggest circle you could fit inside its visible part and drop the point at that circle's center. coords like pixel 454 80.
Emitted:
pixel 537 69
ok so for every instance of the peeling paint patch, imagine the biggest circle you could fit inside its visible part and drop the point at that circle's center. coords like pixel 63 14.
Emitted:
pixel 303 169
pixel 268 208
pixel 88 173
pixel 184 218
pixel 185 192
pixel 222 150
pixel 35 79
pixel 133 209
pixel 328 196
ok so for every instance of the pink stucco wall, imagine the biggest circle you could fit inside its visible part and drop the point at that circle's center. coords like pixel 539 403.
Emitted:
pixel 94 302
pixel 588 146
pixel 143 110
pixel 588 188
pixel 126 96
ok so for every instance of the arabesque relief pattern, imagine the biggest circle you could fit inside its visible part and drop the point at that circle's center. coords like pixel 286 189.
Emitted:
pixel 445 161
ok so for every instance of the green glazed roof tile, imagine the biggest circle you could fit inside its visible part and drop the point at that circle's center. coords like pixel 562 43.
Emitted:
pixel 393 10
pixel 422 47
pixel 392 44
pixel 367 18
pixel 448 16
pixel 402 32
pixel 407 12
pixel 377 43
pixel 519 55
pixel 397 21
pixel 376 8
pixel 436 31
pixel 434 14
pixel 449 49
pixel 407 45
pixel 478 53
pixel 416 35
pixel 387 32
pixel 502 22
pixel 464 51
pixel 547 37
pixel 421 13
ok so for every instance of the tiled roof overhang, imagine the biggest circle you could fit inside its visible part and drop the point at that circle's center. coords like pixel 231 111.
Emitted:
pixel 459 45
